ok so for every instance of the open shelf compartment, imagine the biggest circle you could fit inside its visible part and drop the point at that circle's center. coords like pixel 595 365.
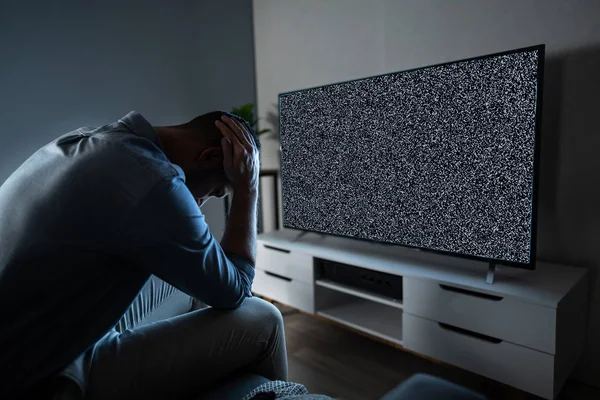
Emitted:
pixel 368 316
pixel 364 294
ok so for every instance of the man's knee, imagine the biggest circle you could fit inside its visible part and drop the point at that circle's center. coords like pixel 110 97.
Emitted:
pixel 265 321
pixel 266 313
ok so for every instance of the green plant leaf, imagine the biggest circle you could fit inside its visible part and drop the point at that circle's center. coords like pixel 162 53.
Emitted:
pixel 246 111
pixel 248 108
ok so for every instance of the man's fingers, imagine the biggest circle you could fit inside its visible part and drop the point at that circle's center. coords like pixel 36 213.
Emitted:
pixel 243 131
pixel 239 129
pixel 227 153
pixel 247 135
pixel 231 144
pixel 227 132
pixel 223 129
pixel 231 124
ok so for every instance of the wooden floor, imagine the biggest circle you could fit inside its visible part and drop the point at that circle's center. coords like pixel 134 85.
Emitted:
pixel 329 359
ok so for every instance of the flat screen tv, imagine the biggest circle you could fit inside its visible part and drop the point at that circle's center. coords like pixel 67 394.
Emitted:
pixel 442 158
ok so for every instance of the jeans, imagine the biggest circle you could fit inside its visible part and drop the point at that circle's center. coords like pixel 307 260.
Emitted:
pixel 181 356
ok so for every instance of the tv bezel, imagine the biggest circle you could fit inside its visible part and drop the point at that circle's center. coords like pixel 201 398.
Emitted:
pixel 536 160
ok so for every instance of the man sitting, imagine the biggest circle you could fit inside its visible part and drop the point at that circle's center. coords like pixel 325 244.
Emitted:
pixel 85 222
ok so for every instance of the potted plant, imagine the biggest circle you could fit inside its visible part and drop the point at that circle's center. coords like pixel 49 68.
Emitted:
pixel 247 112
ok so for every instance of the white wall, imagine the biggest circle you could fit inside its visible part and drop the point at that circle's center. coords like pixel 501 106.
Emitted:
pixel 300 44
pixel 70 63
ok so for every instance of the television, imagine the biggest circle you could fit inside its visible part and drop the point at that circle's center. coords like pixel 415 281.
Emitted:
pixel 442 158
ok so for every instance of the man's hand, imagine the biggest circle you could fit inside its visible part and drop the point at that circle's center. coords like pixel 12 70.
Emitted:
pixel 240 155
pixel 240 162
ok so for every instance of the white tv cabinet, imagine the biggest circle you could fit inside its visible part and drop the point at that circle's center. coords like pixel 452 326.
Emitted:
pixel 525 330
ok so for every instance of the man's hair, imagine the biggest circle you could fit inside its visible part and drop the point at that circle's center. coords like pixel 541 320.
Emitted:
pixel 205 123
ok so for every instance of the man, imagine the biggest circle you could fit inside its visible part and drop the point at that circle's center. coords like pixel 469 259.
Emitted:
pixel 84 223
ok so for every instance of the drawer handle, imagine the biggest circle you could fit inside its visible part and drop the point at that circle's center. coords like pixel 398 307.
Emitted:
pixel 470 293
pixel 278 276
pixel 276 249
pixel 469 333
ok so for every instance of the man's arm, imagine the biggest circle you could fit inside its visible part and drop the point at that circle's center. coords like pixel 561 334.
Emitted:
pixel 168 236
pixel 240 163
pixel 240 233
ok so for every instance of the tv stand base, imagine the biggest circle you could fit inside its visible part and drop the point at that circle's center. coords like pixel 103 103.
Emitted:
pixel 527 330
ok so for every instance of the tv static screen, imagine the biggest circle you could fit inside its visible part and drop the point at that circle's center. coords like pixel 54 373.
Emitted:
pixel 440 158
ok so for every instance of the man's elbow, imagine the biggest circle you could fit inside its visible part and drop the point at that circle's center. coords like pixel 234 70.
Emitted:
pixel 236 287
pixel 227 304
pixel 230 300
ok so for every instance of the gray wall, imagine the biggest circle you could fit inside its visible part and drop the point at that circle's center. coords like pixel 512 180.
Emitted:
pixel 308 43
pixel 68 64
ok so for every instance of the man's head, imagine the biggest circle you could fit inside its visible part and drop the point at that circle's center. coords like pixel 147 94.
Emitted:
pixel 196 147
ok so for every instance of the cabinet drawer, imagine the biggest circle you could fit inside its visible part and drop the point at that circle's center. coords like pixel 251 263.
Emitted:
pixel 508 319
pixel 285 262
pixel 284 290
pixel 514 365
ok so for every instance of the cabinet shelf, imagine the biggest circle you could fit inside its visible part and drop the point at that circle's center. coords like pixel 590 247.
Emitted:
pixel 369 317
pixel 388 301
